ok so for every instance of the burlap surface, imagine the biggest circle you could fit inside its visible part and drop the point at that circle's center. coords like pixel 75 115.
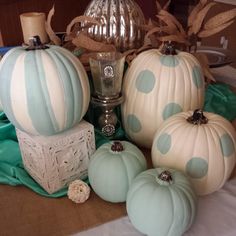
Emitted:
pixel 24 212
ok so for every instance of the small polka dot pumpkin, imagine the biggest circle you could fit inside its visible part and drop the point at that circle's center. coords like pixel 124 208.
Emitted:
pixel 201 145
pixel 43 91
pixel 161 202
pixel 157 86
pixel 112 168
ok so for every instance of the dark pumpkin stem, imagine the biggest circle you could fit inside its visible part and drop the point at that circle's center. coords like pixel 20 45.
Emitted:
pixel 197 118
pixel 165 176
pixel 36 44
pixel 117 146
pixel 168 49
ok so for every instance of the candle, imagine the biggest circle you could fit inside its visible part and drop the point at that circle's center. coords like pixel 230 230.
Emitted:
pixel 33 23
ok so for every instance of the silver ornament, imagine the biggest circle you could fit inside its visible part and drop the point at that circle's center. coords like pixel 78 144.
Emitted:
pixel 120 23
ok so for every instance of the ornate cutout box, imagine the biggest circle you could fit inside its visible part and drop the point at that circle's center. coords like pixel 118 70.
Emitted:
pixel 55 161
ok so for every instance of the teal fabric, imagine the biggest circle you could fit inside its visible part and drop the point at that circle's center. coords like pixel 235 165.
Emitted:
pixel 12 171
pixel 219 99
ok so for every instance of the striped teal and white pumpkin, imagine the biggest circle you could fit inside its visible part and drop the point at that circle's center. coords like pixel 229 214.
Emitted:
pixel 155 87
pixel 44 91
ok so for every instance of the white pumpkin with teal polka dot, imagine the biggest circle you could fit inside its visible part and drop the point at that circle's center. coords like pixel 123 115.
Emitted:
pixel 44 90
pixel 156 86
pixel 201 145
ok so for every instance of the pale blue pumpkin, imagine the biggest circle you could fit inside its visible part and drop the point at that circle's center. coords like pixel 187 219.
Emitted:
pixel 161 202
pixel 157 86
pixel 112 168
pixel 43 91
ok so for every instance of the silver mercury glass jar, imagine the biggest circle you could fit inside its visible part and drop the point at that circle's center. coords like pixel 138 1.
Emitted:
pixel 120 23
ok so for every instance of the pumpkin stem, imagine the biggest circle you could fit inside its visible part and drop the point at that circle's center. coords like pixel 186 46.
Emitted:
pixel 165 176
pixel 36 44
pixel 168 48
pixel 197 118
pixel 117 146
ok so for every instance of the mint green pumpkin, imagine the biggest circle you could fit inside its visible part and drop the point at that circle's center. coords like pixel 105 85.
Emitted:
pixel 161 202
pixel 112 168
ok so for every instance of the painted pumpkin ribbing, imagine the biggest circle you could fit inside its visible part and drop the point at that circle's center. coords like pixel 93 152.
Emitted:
pixel 113 167
pixel 205 152
pixel 159 206
pixel 43 91
pixel 157 86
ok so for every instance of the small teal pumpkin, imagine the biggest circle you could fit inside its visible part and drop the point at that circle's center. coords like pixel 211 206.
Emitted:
pixel 43 89
pixel 161 202
pixel 112 168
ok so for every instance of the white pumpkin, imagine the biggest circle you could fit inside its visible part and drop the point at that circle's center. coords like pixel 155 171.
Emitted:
pixel 203 146
pixel 157 86
pixel 44 90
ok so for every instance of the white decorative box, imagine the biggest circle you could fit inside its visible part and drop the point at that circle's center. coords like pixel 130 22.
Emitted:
pixel 55 161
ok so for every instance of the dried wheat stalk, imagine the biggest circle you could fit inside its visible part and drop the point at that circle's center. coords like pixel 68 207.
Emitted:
pixel 203 60
pixel 197 28
pixel 169 29
pixel 53 37
pixel 165 7
pixel 200 16
pixel 213 25
pixel 81 19
pixel 169 17
pixel 84 41
pixel 194 12
pixel 220 19
pixel 209 32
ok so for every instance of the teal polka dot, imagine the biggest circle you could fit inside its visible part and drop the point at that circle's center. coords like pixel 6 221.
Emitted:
pixel 197 77
pixel 163 143
pixel 145 81
pixel 170 61
pixel 133 123
pixel 171 109
pixel 227 145
pixel 197 167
